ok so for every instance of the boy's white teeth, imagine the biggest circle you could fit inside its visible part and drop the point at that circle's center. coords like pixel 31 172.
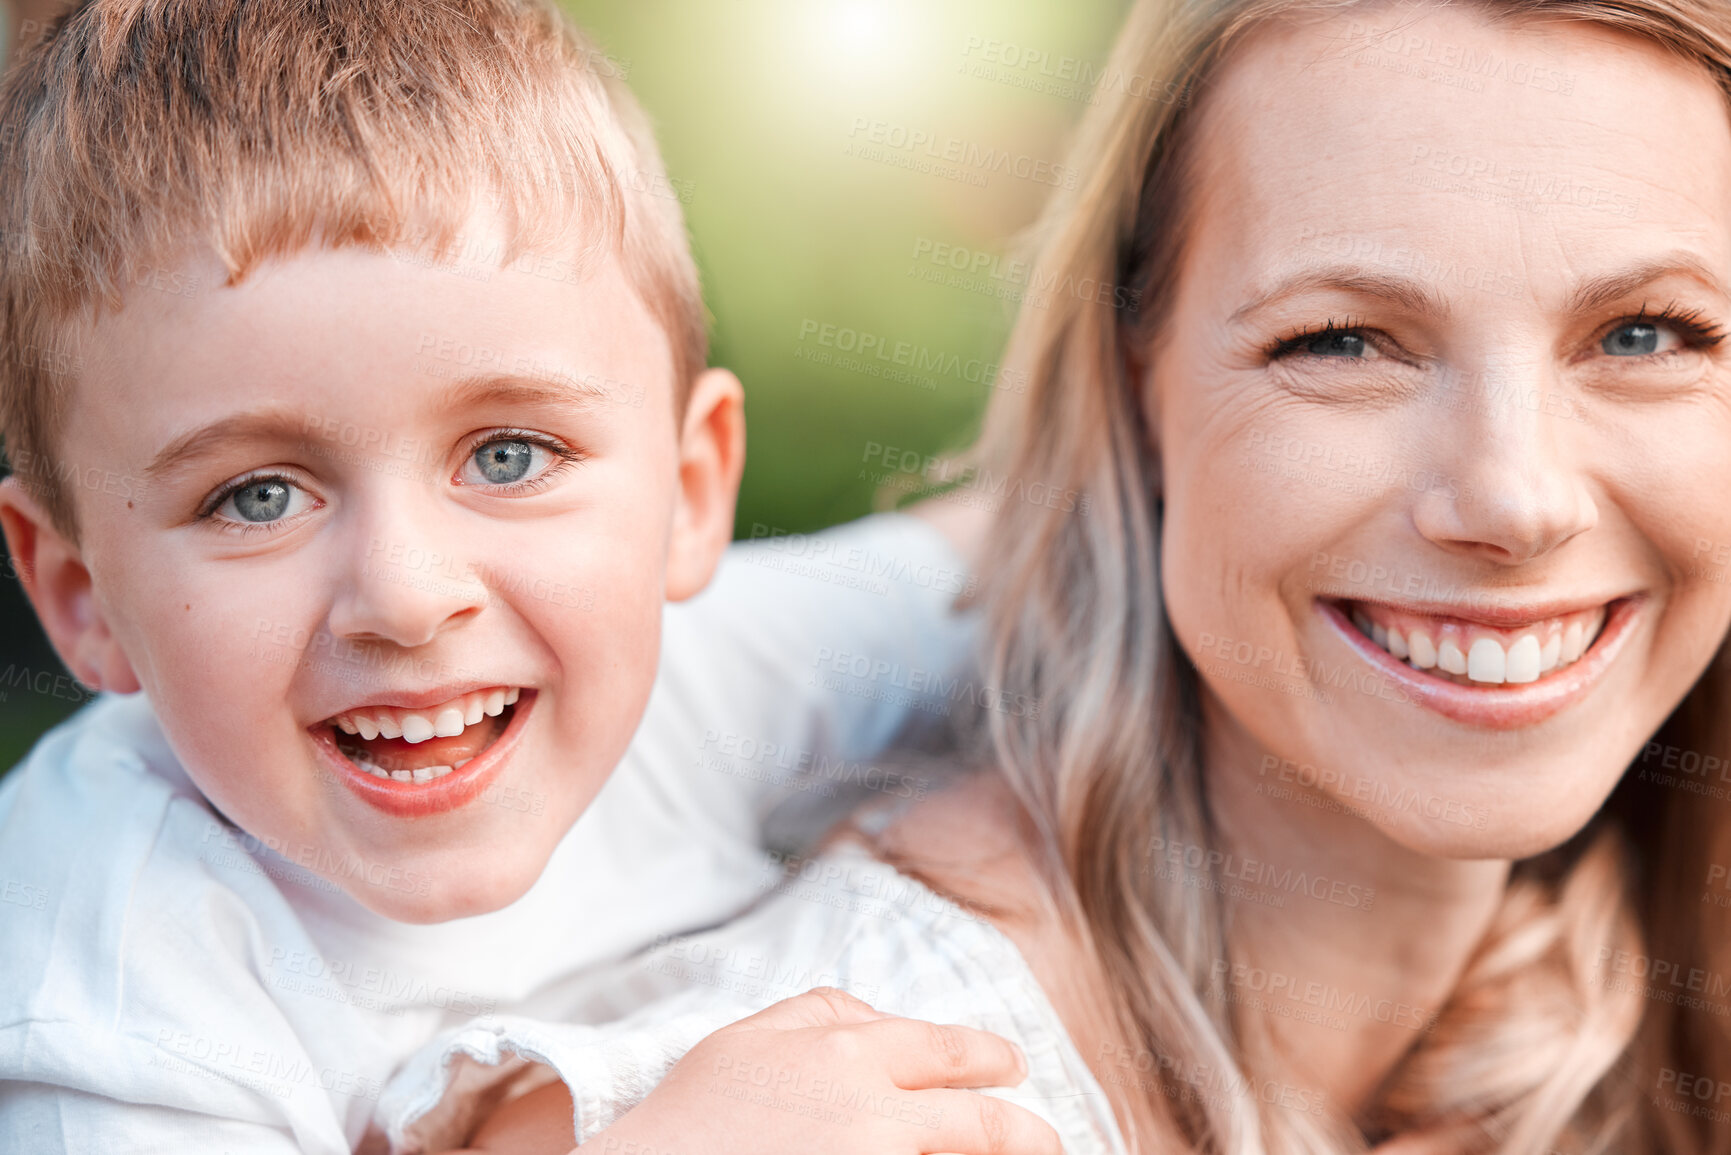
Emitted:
pixel 1489 657
pixel 446 720
pixel 424 774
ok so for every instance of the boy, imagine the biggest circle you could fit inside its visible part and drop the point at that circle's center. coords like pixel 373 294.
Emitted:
pixel 354 388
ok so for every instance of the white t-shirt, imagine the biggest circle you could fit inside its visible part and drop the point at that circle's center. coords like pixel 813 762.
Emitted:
pixel 841 919
pixel 168 984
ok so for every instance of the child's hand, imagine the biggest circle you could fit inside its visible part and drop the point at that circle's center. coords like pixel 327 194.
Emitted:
pixel 818 1072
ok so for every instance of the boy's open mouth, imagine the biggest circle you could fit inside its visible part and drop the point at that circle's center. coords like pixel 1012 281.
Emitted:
pixel 1471 654
pixel 426 744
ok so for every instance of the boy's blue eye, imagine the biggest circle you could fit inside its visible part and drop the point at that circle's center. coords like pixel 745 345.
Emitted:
pixel 265 500
pixel 503 462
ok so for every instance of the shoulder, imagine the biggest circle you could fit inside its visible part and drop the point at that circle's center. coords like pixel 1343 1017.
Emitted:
pixel 976 845
pixel 128 914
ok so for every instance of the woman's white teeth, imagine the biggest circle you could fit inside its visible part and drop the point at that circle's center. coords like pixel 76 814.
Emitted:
pixel 444 721
pixel 1487 660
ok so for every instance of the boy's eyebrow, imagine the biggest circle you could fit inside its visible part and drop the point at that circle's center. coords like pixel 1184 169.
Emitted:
pixel 553 388
pixel 272 424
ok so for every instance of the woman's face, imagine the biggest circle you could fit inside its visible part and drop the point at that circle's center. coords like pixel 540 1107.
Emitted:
pixel 1444 416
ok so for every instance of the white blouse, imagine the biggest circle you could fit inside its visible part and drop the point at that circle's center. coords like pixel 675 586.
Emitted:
pixel 844 919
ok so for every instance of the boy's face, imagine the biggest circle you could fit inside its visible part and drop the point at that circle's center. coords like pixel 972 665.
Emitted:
pixel 359 487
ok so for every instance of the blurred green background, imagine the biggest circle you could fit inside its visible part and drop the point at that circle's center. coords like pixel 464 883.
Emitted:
pixel 856 167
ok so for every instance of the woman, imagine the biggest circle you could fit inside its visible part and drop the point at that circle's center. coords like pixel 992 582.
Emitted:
pixel 1401 473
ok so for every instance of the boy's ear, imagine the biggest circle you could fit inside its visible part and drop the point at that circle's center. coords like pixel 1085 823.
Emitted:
pixel 711 460
pixel 53 575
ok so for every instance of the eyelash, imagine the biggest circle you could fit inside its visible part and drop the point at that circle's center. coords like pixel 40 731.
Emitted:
pixel 567 458
pixel 1286 346
pixel 1691 324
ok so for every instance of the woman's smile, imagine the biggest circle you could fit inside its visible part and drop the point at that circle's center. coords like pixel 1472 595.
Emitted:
pixel 1498 677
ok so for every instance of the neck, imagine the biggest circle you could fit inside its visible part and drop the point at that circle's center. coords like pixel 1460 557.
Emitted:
pixel 1344 943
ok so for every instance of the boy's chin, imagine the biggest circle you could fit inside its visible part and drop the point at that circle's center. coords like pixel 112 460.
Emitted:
pixel 464 886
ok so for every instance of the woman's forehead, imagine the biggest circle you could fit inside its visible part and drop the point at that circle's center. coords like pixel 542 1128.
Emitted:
pixel 1518 143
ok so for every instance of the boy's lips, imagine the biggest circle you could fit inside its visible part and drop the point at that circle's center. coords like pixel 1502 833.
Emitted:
pixel 1545 683
pixel 412 773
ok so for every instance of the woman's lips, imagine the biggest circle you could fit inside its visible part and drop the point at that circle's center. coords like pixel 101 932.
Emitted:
pixel 1491 705
pixel 438 795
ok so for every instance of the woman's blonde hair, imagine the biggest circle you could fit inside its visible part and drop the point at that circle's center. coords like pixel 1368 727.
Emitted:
pixel 1535 1050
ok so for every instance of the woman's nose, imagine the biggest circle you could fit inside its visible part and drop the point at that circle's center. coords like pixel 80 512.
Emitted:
pixel 1520 463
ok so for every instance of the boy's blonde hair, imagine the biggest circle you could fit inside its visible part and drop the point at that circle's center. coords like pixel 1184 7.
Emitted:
pixel 134 131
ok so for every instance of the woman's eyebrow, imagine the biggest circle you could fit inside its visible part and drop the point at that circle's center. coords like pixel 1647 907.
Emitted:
pixel 1612 287
pixel 1413 295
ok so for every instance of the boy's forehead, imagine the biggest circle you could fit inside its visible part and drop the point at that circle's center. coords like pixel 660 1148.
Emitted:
pixel 320 329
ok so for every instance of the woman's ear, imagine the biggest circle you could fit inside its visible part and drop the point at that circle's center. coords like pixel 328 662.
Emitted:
pixel 711 461
pixel 55 579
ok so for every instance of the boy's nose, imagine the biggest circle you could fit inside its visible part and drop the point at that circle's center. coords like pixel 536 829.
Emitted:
pixel 405 591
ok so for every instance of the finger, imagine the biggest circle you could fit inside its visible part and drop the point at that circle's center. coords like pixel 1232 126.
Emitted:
pixel 969 1123
pixel 818 1007
pixel 921 1054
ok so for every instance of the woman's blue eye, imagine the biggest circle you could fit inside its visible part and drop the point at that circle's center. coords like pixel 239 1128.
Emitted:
pixel 1337 344
pixel 258 501
pixel 502 462
pixel 1635 340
